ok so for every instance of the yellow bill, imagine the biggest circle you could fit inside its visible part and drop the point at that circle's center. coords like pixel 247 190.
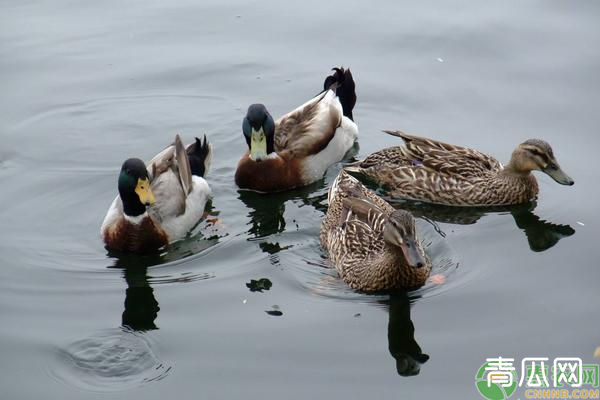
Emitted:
pixel 258 145
pixel 142 189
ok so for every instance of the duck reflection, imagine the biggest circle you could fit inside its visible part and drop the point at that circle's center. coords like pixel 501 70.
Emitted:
pixel 141 307
pixel 266 212
pixel 401 336
pixel 541 235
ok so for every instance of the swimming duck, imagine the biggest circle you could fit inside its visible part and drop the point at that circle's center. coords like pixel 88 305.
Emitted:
pixel 436 172
pixel 297 149
pixel 160 202
pixel 373 246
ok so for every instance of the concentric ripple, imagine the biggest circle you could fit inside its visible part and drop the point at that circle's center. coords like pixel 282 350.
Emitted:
pixel 112 360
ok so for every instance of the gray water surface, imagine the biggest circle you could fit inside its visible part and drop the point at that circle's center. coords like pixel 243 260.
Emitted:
pixel 86 85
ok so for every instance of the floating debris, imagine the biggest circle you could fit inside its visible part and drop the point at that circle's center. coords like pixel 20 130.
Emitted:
pixel 440 59
pixel 276 312
pixel 244 301
pixel 259 285
pixel 357 315
pixel 580 223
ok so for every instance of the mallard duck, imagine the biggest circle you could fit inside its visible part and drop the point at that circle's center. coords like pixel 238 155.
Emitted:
pixel 158 203
pixel 435 172
pixel 297 149
pixel 373 246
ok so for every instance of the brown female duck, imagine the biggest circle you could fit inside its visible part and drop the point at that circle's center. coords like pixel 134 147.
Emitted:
pixel 436 172
pixel 372 246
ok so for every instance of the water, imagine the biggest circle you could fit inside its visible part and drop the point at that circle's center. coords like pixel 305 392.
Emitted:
pixel 86 85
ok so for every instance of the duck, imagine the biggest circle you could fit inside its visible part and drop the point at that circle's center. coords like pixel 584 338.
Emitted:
pixel 373 246
pixel 160 202
pixel 297 149
pixel 431 171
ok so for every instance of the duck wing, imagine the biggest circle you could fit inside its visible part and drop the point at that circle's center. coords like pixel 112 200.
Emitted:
pixel 433 156
pixel 364 211
pixel 351 203
pixel 357 238
pixel 347 186
pixel 440 157
pixel 183 166
pixel 309 128
pixel 171 177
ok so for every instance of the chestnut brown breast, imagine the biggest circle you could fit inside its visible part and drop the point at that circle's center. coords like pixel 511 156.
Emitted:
pixel 271 175
pixel 144 237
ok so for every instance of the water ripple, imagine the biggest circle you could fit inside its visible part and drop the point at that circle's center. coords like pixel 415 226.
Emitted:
pixel 111 360
pixel 311 268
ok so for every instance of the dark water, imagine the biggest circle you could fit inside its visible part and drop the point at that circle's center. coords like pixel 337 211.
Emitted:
pixel 85 85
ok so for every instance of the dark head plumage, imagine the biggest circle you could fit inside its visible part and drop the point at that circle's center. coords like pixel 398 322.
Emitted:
pixel 258 118
pixel 133 171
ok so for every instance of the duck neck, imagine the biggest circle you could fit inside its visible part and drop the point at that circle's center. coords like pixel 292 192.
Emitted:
pixel 518 184
pixel 132 206
pixel 514 169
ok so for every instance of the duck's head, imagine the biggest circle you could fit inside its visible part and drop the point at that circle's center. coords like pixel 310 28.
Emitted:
pixel 259 132
pixel 536 154
pixel 399 231
pixel 134 187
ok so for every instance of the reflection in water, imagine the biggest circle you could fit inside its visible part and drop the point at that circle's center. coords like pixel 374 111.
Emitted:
pixel 123 358
pixel 540 234
pixel 266 213
pixel 141 307
pixel 401 336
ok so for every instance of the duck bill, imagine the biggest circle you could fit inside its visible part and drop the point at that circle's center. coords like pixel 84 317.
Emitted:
pixel 142 189
pixel 411 254
pixel 258 145
pixel 558 175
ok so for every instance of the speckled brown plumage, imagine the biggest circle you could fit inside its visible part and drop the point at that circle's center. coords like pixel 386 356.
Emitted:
pixel 437 172
pixel 355 241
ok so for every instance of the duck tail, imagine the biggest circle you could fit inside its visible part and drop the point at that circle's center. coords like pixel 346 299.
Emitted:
pixel 200 155
pixel 342 83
